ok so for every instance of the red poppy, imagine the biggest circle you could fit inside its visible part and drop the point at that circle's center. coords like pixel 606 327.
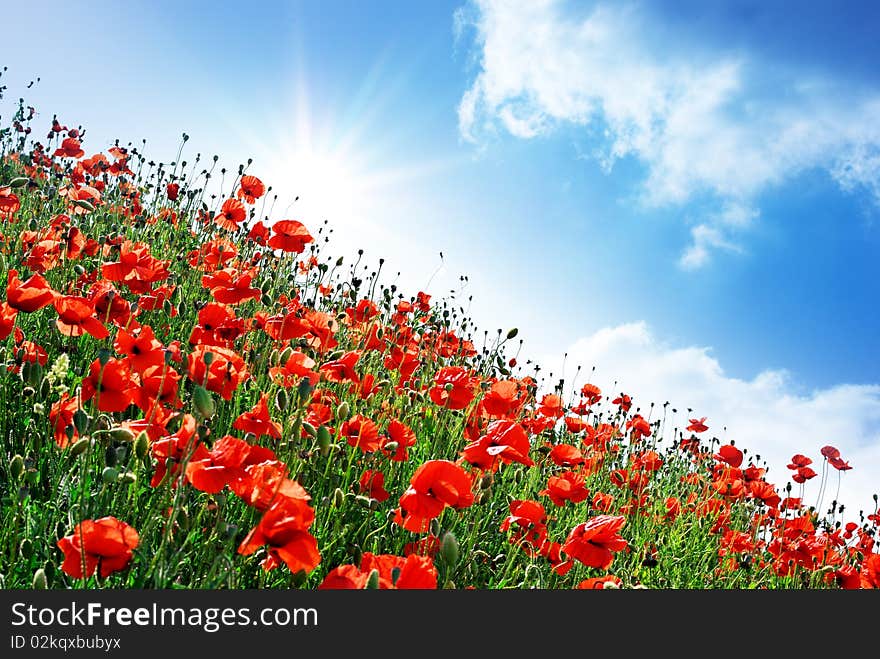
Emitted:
pixel 172 190
pixel 395 572
pixel 803 474
pixel 70 148
pixel 639 427
pixel 568 486
pixel 361 432
pixel 870 571
pixel 565 455
pixel 401 435
pixel 435 485
pixel 28 296
pixel 599 583
pixel 136 268
pixel 830 452
pixel 76 315
pixel 697 425
pixel 591 394
pixel 110 385
pixel 257 420
pixel 504 440
pixel 226 372
pixel 502 398
pixel 529 522
pixel 7 319
pixel 342 369
pixel 283 529
pixel 141 347
pixel 61 419
pixel 9 202
pixel 104 545
pixel 250 189
pixel 453 388
pixel 730 454
pixel 372 485
pixel 224 464
pixel 593 542
pixel 289 236
pixel 231 287
pixel 798 461
pixel 623 401
pixel 839 464
pixel 232 213
pixel 551 406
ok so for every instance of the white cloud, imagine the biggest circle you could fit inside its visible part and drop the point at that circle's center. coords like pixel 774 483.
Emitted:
pixel 703 123
pixel 766 414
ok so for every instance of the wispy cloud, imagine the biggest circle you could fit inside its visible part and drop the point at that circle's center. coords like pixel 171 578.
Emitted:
pixel 705 123
pixel 767 414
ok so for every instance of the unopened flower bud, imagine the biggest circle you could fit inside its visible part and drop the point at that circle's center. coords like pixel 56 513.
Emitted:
pixel 343 411
pixel 16 466
pixel 373 580
pixel 40 581
pixel 109 475
pixel 449 549
pixel 203 401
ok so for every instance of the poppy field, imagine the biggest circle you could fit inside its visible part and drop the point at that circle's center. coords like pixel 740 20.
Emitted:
pixel 195 394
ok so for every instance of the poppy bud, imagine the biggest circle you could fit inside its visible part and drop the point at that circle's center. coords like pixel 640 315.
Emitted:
pixel 304 389
pixel 28 391
pixel 82 203
pixel 373 580
pixel 167 307
pixel 281 400
pixel 285 355
pixel 79 270
pixel 40 581
pixel 103 356
pixel 343 411
pixel 333 356
pixel 610 585
pixel 81 421
pixel 111 457
pixel 16 466
pixel 109 475
pixel 79 446
pixel 265 300
pixel 26 548
pixel 512 333
pixel 338 498
pixel 324 440
pixel 19 182
pixel 274 357
pixel 309 428
pixel 128 477
pixel 121 434
pixel 435 527
pixel 449 549
pixel 486 481
pixel 203 401
pixel 142 445
pixel 362 500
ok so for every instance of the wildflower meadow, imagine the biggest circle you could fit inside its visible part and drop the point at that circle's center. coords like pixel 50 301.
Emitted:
pixel 195 394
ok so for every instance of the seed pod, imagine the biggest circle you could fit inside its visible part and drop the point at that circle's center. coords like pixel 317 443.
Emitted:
pixel 109 475
pixel 324 440
pixel 373 580
pixel 80 446
pixel 203 401
pixel 16 466
pixel 120 434
pixel 40 581
pixel 281 400
pixel 142 445
pixel 449 549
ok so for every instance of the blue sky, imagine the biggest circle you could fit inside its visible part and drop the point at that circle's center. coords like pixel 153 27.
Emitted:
pixel 693 179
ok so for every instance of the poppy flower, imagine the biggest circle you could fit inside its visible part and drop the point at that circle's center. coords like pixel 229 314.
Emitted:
pixel 453 388
pixel 172 190
pixel 870 572
pixel 591 394
pixel 61 419
pixel 283 529
pixel 231 287
pixel 839 464
pixel 141 347
pixel 830 452
pixel 504 440
pixel 529 522
pixel 551 406
pixel 298 366
pixel 361 432
pixel 137 268
pixel 257 420
pixel 568 486
pixel 730 454
pixel 565 455
pixel 599 583
pixel 639 427
pixel 395 572
pixel 225 463
pixel 697 425
pixel 372 484
pixel 623 401
pixel 30 295
pixel 264 483
pixel 70 148
pixel 9 202
pixel 502 398
pixel 798 461
pixel 803 474
pixel 342 369
pixel 232 213
pixel 7 319
pixel 435 485
pixel 594 542
pixel 104 545
pixel 401 435
pixel 110 385
pixel 289 236
pixel 250 189
pixel 227 370
pixel 76 315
